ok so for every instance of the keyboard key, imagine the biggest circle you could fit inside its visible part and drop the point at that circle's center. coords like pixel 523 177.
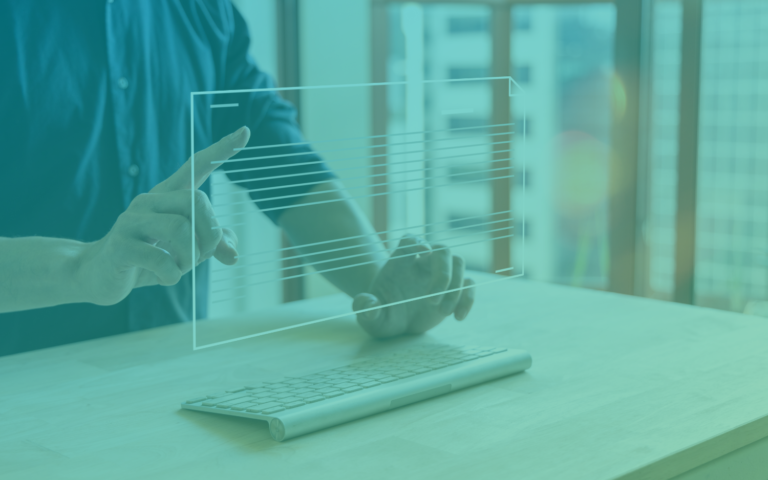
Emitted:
pixel 344 386
pixel 198 399
pixel 422 370
pixel 307 395
pixel 336 393
pixel 405 375
pixel 362 380
pixel 314 399
pixel 295 404
pixel 236 390
pixel 228 398
pixel 328 390
pixel 352 389
pixel 303 390
pixel 280 396
pixel 290 400
pixel 263 406
pixel 293 381
pixel 388 379
pixel 242 406
pixel 370 384
pixel 273 410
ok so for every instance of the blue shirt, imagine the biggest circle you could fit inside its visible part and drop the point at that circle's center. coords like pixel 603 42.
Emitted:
pixel 95 109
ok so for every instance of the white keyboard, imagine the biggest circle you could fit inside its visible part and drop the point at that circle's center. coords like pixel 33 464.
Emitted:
pixel 298 405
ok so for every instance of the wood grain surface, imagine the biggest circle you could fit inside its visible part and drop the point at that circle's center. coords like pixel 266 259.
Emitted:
pixel 620 387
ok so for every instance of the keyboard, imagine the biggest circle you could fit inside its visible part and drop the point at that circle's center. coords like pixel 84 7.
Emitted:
pixel 299 405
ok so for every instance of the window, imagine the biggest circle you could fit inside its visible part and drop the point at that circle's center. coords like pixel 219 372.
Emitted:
pixel 467 72
pixel 563 55
pixel 731 200
pixel 522 74
pixel 469 24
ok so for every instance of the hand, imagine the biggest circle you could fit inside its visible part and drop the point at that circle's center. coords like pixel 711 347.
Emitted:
pixel 415 270
pixel 150 244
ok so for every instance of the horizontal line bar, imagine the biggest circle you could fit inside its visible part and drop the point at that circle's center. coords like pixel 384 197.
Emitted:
pixel 346 266
pixel 377 233
pixel 225 105
pixel 504 270
pixel 344 258
pixel 361 196
pixel 294 195
pixel 350 85
pixel 361 177
pixel 388 154
pixel 374 136
pixel 322 152
pixel 389 164
pixel 342 315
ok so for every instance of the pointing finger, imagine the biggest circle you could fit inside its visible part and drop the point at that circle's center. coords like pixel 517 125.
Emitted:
pixel 206 161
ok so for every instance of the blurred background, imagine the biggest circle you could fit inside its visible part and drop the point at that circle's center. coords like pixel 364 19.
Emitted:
pixel 646 130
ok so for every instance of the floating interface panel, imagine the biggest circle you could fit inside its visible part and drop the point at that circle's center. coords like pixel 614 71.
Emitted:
pixel 440 160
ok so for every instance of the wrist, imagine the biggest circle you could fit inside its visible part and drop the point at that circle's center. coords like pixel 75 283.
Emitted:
pixel 81 272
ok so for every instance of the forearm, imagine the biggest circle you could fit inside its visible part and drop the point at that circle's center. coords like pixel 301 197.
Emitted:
pixel 353 254
pixel 37 272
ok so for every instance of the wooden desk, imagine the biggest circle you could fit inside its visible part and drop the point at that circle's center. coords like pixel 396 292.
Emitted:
pixel 620 387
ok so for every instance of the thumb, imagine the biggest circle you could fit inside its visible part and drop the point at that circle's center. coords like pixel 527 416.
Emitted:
pixel 205 162
pixel 226 250
pixel 364 301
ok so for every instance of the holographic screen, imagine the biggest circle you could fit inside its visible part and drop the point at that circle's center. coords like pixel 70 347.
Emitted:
pixel 442 160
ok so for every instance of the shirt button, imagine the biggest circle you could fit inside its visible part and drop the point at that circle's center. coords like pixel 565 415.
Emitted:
pixel 133 170
pixel 122 83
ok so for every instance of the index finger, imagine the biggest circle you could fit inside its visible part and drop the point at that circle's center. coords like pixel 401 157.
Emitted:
pixel 206 161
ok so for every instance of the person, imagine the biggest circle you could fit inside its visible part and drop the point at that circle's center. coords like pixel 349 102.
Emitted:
pixel 96 213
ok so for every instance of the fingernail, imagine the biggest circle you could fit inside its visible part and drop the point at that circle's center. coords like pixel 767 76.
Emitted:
pixel 240 132
pixel 461 315
pixel 230 244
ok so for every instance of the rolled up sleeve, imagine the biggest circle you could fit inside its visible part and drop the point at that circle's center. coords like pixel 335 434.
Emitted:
pixel 282 167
